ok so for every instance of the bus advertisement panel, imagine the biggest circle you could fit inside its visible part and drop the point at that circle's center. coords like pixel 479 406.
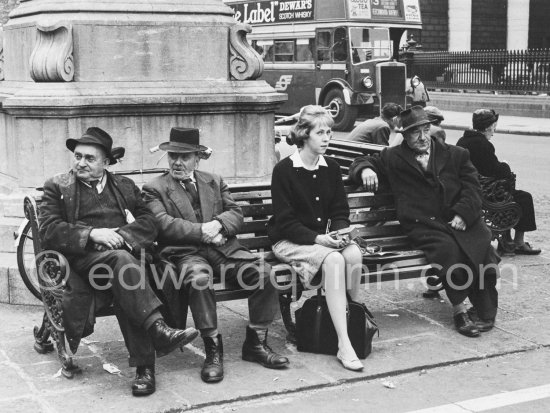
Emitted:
pixel 336 53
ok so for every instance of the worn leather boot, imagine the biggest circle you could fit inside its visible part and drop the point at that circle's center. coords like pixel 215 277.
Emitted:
pixel 465 326
pixel 167 339
pixel 212 369
pixel 258 351
pixel 144 382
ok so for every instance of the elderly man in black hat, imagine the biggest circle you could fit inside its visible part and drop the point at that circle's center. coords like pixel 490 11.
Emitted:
pixel 438 201
pixel 482 153
pixel 99 222
pixel 198 222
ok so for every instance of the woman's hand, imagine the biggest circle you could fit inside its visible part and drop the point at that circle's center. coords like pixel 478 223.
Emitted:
pixel 327 241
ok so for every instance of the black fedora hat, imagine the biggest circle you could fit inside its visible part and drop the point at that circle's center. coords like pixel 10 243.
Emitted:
pixel 183 140
pixel 412 117
pixel 97 136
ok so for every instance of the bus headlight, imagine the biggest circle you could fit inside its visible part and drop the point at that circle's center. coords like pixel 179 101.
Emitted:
pixel 367 82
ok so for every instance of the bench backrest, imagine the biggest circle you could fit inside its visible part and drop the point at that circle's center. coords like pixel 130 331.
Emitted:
pixel 368 211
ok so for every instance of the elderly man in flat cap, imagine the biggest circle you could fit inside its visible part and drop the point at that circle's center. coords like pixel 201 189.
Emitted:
pixel 198 222
pixel 482 153
pixel 438 201
pixel 98 221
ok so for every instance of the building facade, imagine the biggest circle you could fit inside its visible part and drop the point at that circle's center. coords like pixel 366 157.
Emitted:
pixel 484 24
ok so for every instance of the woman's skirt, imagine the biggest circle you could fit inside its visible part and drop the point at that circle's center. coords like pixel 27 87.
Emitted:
pixel 305 260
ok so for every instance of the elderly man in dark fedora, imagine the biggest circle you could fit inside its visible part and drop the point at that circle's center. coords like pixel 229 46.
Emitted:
pixel 438 201
pixel 482 153
pixel 198 220
pixel 98 221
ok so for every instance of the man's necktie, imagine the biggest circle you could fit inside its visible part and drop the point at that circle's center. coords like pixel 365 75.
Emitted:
pixel 190 188
pixel 94 184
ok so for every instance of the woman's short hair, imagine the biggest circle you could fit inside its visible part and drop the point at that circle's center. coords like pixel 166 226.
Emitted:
pixel 310 116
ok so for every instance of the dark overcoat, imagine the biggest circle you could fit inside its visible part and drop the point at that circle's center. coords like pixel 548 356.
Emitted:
pixel 60 230
pixel 483 156
pixel 425 207
pixel 180 232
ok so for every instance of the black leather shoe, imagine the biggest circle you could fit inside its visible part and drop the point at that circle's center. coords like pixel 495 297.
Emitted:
pixel 167 339
pixel 212 369
pixel 144 382
pixel 465 326
pixel 429 293
pixel 258 351
pixel 482 325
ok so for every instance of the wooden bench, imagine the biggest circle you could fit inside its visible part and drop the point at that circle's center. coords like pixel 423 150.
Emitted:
pixel 374 214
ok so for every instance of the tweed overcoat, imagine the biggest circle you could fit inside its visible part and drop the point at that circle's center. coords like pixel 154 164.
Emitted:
pixel 60 230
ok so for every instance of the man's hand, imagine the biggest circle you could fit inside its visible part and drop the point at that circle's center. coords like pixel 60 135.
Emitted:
pixel 219 240
pixel 458 223
pixel 370 180
pixel 210 230
pixel 108 237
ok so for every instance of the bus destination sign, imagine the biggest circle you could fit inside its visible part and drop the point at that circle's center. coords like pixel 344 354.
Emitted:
pixel 276 11
pixel 407 10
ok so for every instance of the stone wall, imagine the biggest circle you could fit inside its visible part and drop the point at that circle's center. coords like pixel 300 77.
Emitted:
pixel 489 24
pixel 435 25
pixel 5 7
pixel 539 29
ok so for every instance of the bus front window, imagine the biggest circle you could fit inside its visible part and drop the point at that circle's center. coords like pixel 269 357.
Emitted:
pixel 369 44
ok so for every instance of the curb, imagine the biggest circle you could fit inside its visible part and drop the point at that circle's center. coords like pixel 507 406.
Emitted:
pixel 502 130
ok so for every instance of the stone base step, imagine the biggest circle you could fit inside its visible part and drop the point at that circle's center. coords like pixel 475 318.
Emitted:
pixel 12 288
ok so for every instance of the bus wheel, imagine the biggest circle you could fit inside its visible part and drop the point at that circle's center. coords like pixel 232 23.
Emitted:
pixel 343 114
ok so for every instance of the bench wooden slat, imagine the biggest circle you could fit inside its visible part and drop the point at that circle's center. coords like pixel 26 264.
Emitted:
pixel 361 200
pixel 256 243
pixel 379 215
pixel 256 226
pixel 380 231
pixel 257 210
pixel 251 196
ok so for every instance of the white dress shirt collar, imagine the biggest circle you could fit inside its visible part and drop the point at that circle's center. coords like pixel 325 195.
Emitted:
pixel 298 163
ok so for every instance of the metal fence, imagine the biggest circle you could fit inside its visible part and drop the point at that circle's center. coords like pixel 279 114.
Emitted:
pixel 502 70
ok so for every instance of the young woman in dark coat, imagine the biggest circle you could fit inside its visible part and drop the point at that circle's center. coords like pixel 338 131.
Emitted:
pixel 309 206
pixel 482 155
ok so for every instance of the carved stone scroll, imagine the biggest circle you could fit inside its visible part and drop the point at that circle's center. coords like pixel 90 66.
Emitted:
pixel 244 62
pixel 52 57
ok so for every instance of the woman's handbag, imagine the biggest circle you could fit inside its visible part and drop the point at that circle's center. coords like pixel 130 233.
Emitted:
pixel 315 331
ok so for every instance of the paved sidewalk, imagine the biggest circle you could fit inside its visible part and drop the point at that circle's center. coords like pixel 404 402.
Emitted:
pixel 415 334
pixel 506 124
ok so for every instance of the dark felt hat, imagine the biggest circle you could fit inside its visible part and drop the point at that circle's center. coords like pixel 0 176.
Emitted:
pixel 412 117
pixel 434 113
pixel 183 140
pixel 483 118
pixel 97 136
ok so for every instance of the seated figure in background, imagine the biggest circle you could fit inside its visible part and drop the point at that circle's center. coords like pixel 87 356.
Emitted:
pixel 482 153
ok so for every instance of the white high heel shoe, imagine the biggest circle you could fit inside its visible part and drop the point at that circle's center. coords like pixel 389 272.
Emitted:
pixel 353 365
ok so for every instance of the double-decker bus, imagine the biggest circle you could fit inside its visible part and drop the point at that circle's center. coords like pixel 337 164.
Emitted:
pixel 336 53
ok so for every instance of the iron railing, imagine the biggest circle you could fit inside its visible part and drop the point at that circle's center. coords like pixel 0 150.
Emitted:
pixel 494 70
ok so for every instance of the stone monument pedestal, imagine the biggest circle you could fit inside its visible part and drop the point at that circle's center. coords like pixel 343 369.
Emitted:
pixel 135 69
